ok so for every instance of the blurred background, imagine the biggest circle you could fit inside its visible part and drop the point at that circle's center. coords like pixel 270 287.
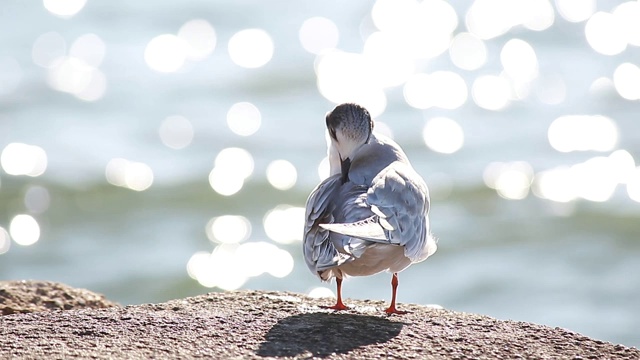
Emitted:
pixel 156 150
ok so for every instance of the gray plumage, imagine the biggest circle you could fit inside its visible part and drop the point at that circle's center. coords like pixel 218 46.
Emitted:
pixel 371 213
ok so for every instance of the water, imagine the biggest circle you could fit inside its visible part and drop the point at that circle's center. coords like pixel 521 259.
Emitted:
pixel 571 264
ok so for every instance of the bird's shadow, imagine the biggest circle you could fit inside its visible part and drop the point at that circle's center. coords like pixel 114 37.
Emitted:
pixel 321 334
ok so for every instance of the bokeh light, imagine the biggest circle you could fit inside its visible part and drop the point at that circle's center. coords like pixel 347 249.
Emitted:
pixel 626 79
pixel 519 60
pixel 95 89
pixel 282 224
pixel 222 268
pixel 176 132
pixel 443 135
pixel 64 8
pixel 537 15
pixel 266 258
pixel 349 77
pixel 166 53
pixel 78 73
pixel 419 92
pixel 582 133
pixel 262 257
pixel 389 64
pixel 595 179
pixel 228 267
pixel 408 31
pixel 605 34
pixel 622 166
pixel 49 49
pixel 443 89
pixel 491 92
pixel 199 37
pixel 317 34
pixel 251 48
pixel 235 159
pixel 576 10
pixel 23 159
pixel 244 118
pixel 391 15
pixel 488 19
pixel 129 174
pixel 633 185
pixel 197 266
pixel 5 241
pixel 225 183
pixel 467 51
pixel 71 75
pixel 228 229
pixel 232 167
pixel 74 76
pixel 282 174
pixel 90 48
pixel 321 292
pixel 24 230
pixel 423 30
pixel 555 184
pixel 510 180
pixel 627 15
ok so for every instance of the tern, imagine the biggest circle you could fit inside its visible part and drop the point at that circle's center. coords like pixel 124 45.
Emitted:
pixel 371 214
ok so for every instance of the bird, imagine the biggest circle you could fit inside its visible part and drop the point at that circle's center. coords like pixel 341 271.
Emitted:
pixel 371 214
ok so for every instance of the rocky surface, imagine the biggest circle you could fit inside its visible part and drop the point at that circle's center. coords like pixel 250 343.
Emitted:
pixel 33 296
pixel 256 325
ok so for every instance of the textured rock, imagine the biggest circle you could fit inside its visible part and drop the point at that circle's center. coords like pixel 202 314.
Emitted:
pixel 254 324
pixel 34 296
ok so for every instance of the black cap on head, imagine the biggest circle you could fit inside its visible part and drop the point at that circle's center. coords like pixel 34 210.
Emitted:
pixel 349 118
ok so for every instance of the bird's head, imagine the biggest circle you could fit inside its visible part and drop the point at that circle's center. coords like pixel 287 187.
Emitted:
pixel 349 126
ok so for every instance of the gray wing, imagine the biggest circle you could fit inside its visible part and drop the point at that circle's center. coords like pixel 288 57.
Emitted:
pixel 319 252
pixel 399 201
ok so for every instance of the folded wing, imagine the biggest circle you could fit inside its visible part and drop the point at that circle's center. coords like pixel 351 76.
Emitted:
pixel 398 201
pixel 319 252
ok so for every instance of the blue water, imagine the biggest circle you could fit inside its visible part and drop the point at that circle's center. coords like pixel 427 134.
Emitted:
pixel 571 265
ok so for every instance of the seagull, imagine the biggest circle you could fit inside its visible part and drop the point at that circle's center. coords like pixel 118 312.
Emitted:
pixel 371 214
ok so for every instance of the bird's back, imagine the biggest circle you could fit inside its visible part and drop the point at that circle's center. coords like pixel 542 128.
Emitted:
pixel 373 157
pixel 376 220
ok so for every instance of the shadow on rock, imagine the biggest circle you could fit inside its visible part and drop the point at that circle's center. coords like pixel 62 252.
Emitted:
pixel 321 334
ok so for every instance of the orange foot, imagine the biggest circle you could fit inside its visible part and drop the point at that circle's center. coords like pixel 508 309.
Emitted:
pixel 337 307
pixel 392 310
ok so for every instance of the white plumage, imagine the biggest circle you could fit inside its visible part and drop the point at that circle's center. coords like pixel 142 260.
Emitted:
pixel 371 214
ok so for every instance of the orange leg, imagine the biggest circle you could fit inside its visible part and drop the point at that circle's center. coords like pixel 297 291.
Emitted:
pixel 394 287
pixel 339 305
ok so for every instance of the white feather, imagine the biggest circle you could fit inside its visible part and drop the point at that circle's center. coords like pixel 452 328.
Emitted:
pixel 375 220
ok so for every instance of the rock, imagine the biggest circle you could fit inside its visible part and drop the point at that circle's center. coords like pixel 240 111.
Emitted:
pixel 34 296
pixel 255 324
